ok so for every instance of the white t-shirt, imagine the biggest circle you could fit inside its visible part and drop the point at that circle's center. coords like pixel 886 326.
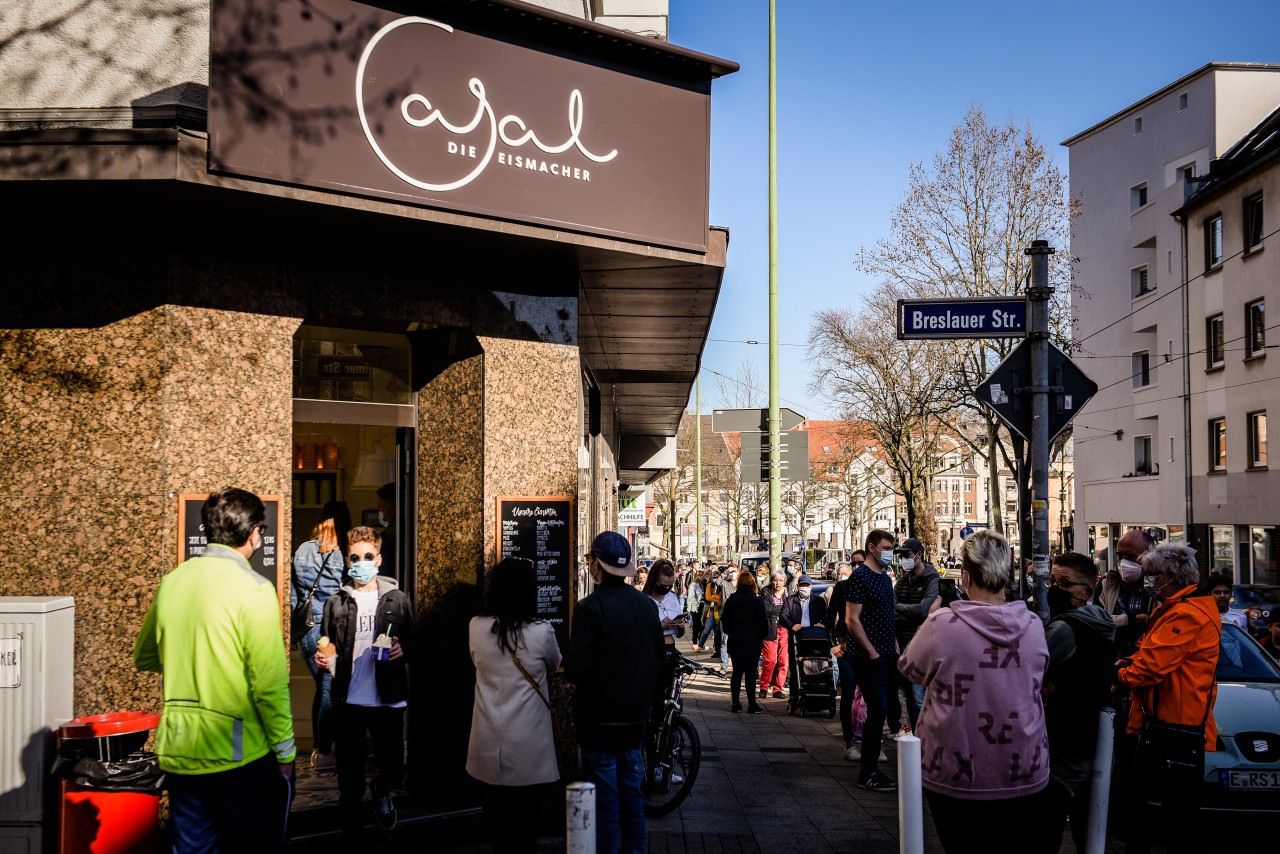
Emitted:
pixel 363 690
pixel 1236 618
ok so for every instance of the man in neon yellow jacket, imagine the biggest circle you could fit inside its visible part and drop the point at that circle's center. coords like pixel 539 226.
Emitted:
pixel 225 739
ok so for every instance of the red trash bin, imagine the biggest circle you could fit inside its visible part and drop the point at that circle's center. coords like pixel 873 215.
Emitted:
pixel 101 820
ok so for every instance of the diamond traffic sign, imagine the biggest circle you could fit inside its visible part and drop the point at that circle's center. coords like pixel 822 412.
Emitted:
pixel 753 420
pixel 1007 392
pixel 794 457
pixel 981 317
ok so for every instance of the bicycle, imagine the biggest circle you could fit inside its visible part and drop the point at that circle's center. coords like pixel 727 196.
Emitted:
pixel 672 759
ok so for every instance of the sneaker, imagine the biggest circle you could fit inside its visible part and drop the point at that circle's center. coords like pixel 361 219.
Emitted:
pixel 894 736
pixel 755 710
pixel 878 782
pixel 778 694
pixel 384 810
pixel 735 708
pixel 852 753
pixel 676 779
pixel 695 648
pixel 323 762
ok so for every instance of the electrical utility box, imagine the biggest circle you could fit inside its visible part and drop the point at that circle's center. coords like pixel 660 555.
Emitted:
pixel 37 662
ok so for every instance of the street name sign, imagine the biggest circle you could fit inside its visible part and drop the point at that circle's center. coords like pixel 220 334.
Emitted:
pixel 982 317
pixel 1008 390
pixel 753 420
pixel 793 456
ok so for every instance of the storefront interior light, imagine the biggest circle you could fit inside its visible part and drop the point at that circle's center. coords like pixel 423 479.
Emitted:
pixel 375 468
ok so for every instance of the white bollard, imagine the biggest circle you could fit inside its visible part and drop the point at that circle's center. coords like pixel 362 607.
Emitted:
pixel 910 797
pixel 1100 783
pixel 580 818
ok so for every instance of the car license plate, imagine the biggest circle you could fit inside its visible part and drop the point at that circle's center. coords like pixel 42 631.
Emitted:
pixel 1251 780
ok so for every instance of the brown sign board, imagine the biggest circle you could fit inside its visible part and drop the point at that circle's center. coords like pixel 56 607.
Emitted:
pixel 449 110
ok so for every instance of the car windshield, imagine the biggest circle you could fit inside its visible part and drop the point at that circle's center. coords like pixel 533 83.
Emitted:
pixel 1241 659
pixel 1246 596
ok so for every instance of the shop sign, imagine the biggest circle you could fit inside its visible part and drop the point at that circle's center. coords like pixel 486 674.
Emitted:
pixel 428 109
pixel 192 540
pixel 540 529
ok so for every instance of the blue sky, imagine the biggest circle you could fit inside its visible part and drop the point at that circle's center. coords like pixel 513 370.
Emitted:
pixel 866 89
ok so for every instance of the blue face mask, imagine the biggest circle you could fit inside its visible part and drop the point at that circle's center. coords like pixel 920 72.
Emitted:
pixel 363 571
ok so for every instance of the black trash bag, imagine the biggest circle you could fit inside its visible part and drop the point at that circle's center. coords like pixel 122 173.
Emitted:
pixel 137 772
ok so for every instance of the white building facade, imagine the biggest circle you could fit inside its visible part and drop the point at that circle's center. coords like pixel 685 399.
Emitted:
pixel 1129 174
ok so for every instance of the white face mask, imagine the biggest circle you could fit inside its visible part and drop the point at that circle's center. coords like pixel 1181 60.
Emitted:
pixel 1130 571
pixel 908 563
pixel 804 591
pixel 886 558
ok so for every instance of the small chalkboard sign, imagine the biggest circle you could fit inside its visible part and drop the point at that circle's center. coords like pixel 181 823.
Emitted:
pixel 541 529
pixel 192 540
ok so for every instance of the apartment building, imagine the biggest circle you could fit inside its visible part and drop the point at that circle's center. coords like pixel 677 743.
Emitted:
pixel 1229 220
pixel 1129 174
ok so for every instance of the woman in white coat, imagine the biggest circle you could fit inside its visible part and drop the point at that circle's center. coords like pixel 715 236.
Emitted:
pixel 512 746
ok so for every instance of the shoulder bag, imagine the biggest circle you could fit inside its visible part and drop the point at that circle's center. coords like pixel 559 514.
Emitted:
pixel 302 620
pixel 537 689
pixel 1172 754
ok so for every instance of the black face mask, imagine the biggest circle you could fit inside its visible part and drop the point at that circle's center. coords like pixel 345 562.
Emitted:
pixel 662 589
pixel 1060 602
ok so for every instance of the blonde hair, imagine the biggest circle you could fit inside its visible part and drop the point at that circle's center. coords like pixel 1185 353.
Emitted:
pixel 327 533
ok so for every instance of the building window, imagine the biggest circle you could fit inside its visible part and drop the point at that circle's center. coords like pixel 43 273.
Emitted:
pixel 1137 196
pixel 1142 456
pixel 968 508
pixel 1215 341
pixel 1137 125
pixel 955 508
pixel 941 508
pixel 1255 328
pixel 1182 102
pixel 1139 283
pixel 1217 444
pixel 1141 369
pixel 968 486
pixel 1253 222
pixel 1258 440
pixel 942 486
pixel 1213 241
pixel 1222 544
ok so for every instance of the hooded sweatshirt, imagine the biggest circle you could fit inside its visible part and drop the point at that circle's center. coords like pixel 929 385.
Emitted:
pixel 982 725
pixel 1081 665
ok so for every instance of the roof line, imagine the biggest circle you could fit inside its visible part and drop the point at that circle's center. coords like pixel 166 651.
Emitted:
pixel 1181 81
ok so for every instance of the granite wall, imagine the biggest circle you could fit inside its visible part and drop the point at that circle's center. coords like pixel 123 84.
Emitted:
pixel 103 428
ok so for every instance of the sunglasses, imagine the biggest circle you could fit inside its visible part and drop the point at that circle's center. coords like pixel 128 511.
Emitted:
pixel 354 558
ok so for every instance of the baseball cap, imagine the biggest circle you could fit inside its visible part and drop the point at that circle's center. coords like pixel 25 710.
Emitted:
pixel 614 553
pixel 804 579
pixel 911 544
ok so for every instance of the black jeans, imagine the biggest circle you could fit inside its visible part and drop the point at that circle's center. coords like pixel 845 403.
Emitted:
pixel 957 820
pixel 1063 804
pixel 878 681
pixel 744 667
pixel 385 727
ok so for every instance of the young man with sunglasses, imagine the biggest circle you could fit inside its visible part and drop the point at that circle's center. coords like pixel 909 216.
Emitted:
pixel 225 739
pixel 370 622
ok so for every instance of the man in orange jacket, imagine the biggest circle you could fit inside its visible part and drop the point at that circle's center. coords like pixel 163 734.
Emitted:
pixel 1172 675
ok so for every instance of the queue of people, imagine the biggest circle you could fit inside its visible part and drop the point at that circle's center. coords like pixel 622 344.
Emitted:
pixel 1006 707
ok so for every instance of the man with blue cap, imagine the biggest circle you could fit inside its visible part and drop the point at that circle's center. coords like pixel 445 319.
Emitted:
pixel 614 652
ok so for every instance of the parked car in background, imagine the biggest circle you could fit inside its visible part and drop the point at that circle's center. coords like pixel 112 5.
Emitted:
pixel 1243 774
pixel 1256 601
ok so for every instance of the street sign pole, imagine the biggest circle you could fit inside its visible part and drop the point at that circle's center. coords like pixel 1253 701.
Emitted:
pixel 775 451
pixel 697 486
pixel 1038 295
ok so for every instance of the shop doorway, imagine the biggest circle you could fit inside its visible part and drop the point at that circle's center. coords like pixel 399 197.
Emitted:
pixel 354 445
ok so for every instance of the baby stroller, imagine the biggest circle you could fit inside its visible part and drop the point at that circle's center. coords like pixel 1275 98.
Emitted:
pixel 812 677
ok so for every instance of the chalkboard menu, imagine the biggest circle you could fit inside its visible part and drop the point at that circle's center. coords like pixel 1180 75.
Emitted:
pixel 192 540
pixel 541 529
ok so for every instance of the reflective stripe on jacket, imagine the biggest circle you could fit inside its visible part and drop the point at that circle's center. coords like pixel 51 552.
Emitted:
pixel 1178 658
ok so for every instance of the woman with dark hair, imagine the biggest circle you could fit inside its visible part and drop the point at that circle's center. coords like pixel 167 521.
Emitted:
pixel 318 568
pixel 746 624
pixel 512 746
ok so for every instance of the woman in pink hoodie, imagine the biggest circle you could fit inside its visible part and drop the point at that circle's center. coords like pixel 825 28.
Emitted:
pixel 984 746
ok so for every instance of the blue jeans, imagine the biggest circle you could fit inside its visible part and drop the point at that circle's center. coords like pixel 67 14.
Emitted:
pixel 244 809
pixel 619 802
pixel 709 625
pixel 321 716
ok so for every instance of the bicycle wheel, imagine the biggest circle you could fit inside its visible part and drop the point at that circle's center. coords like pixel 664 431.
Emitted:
pixel 665 788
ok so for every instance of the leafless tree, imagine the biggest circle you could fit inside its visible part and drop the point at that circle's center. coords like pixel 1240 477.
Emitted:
pixel 960 231
pixel 895 387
